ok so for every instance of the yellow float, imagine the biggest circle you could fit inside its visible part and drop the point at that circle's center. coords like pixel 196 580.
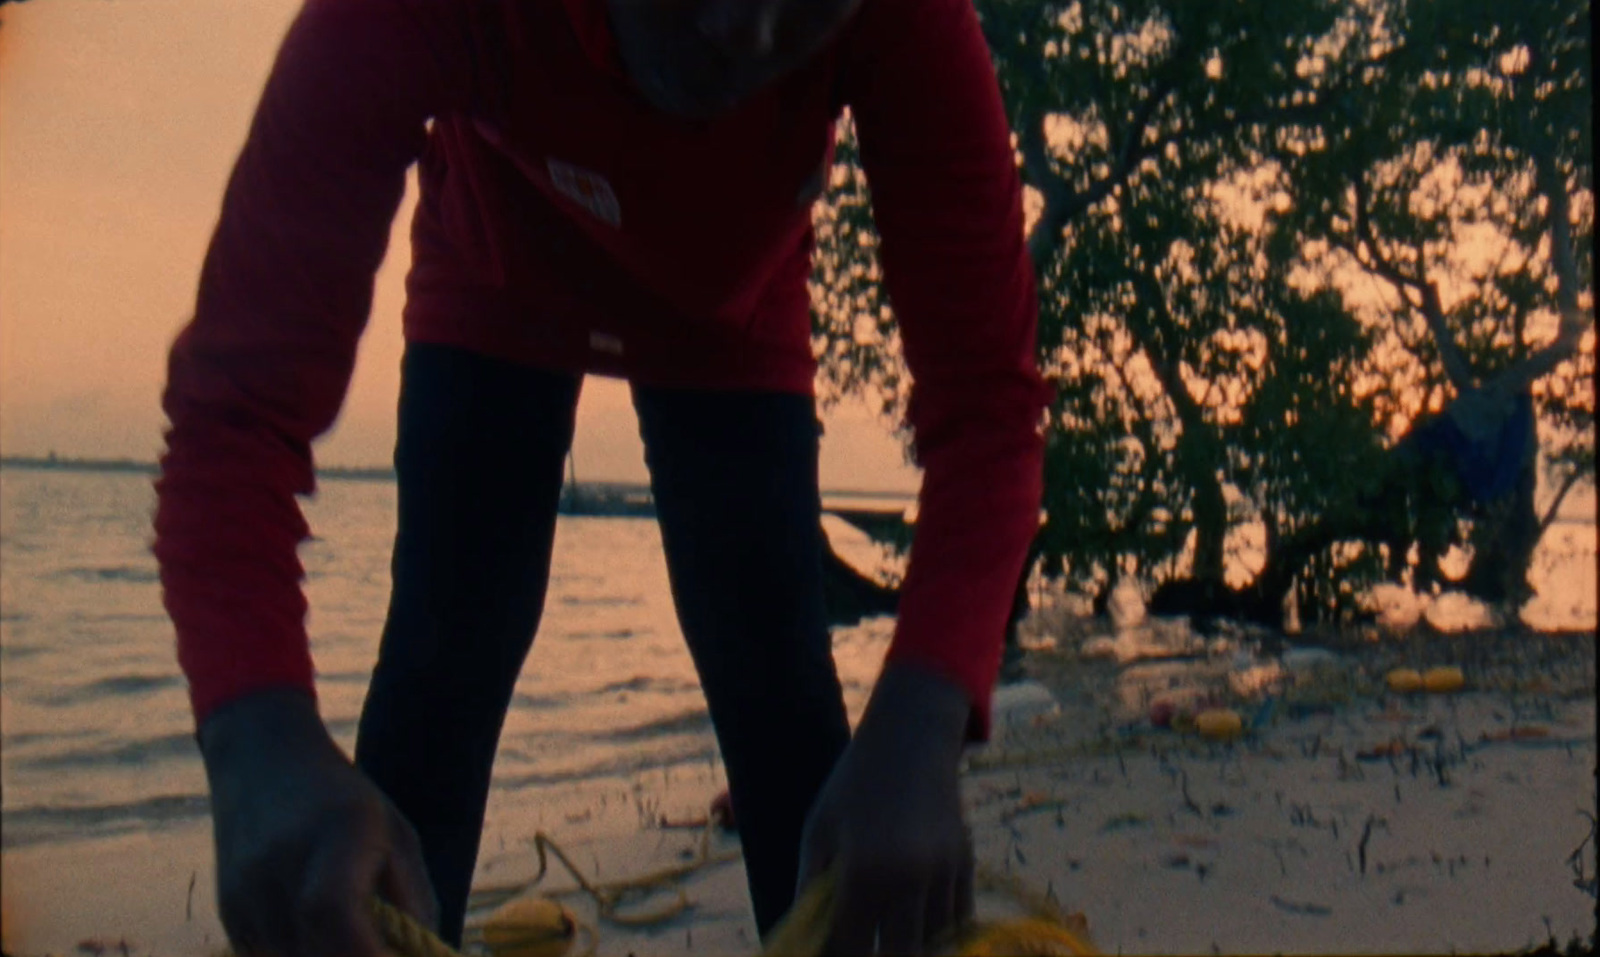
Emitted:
pixel 1219 724
pixel 1404 680
pixel 1444 680
pixel 530 927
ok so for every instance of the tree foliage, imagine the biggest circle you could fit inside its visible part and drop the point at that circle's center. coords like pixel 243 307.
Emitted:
pixel 1271 238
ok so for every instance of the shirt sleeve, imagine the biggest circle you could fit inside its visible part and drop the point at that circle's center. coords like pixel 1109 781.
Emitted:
pixel 284 294
pixel 936 148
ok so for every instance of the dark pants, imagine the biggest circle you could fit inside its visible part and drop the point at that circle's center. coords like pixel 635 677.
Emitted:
pixel 481 451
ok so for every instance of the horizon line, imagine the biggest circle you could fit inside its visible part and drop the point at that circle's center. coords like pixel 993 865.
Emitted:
pixel 341 472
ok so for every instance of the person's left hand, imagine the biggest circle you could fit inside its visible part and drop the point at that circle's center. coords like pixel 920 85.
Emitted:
pixel 889 819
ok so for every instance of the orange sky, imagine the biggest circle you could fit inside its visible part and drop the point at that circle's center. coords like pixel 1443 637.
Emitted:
pixel 119 123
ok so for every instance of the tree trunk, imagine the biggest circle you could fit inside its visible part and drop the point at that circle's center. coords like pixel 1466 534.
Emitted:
pixel 1504 538
pixel 1210 528
pixel 1011 658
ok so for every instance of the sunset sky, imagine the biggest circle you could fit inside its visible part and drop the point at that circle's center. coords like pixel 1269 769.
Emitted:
pixel 119 123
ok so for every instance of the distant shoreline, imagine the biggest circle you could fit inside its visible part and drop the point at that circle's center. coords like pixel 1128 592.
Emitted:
pixel 54 464
pixel 614 497
pixel 630 490
pixel 131 466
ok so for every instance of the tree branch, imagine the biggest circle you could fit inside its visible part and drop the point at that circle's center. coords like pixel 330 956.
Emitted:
pixel 1561 495
pixel 1147 500
pixel 1450 355
pixel 1062 202
pixel 1046 235
pixel 1520 376
pixel 1151 296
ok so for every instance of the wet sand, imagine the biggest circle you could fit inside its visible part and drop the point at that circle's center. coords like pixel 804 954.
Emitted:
pixel 1347 820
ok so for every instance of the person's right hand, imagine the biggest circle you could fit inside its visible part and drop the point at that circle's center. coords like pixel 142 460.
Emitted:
pixel 303 839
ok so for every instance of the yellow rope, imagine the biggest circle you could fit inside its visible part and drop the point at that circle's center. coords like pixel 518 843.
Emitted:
pixel 401 932
pixel 406 936
pixel 1045 932
pixel 608 897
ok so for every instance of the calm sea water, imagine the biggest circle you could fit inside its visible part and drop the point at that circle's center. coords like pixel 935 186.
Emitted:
pixel 97 734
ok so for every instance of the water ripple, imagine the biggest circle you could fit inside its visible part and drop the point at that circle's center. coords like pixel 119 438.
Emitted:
pixel 613 767
pixel 689 722
pixel 603 601
pixel 139 574
pixel 619 634
pixel 534 702
pixel 118 686
pixel 646 683
pixel 140 751
pixel 36 825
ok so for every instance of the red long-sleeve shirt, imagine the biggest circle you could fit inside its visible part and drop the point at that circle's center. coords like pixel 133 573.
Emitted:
pixel 565 224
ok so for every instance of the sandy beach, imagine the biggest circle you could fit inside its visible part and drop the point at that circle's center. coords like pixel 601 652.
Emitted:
pixel 1346 819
